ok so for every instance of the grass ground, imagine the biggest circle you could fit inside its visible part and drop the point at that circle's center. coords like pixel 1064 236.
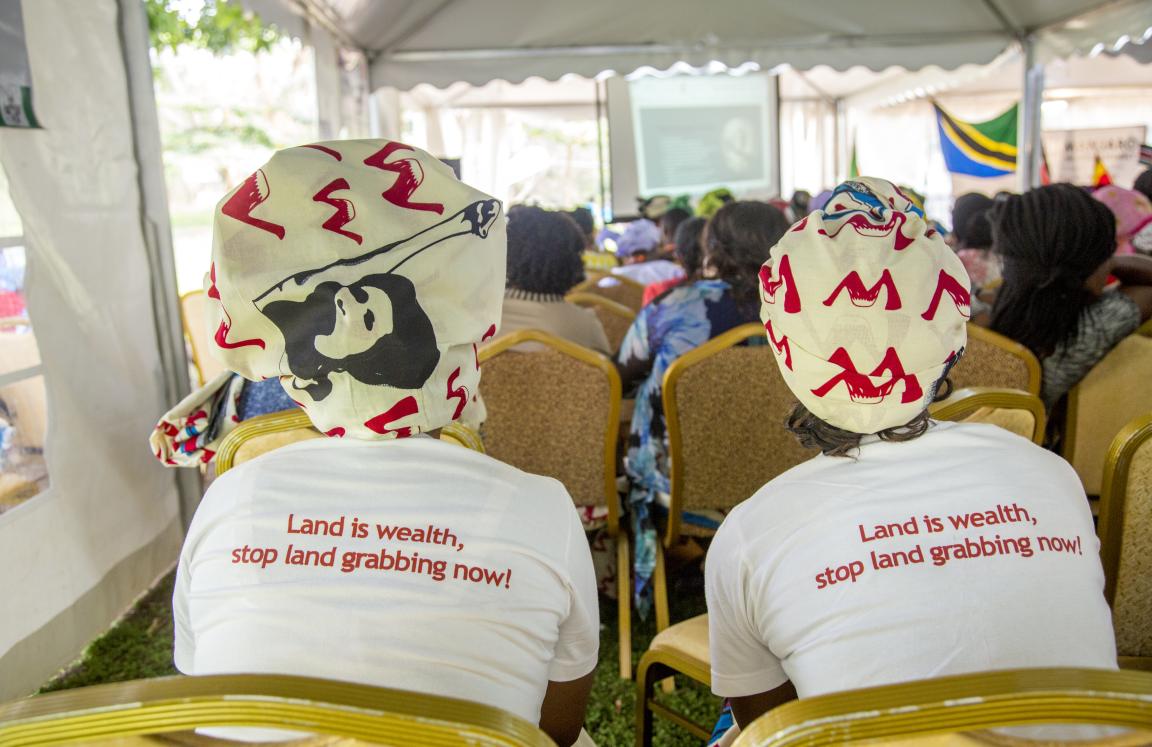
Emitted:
pixel 140 646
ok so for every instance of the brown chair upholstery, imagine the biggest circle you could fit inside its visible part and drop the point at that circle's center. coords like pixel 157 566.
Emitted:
pixel 991 359
pixel 1100 405
pixel 614 317
pixel 192 314
pixel 622 290
pixel 555 411
pixel 725 406
pixel 1013 410
pixel 926 711
pixel 1125 530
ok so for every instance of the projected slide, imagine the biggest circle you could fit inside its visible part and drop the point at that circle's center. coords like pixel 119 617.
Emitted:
pixel 696 133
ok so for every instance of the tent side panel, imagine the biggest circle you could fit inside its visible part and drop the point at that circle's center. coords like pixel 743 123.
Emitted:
pixel 76 556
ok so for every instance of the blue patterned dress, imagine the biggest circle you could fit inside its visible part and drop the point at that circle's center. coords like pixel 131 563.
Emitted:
pixel 684 318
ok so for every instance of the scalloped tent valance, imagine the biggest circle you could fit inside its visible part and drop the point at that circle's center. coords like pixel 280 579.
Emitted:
pixel 441 42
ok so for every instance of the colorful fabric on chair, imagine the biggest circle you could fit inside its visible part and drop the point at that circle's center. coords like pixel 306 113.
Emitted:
pixel 191 432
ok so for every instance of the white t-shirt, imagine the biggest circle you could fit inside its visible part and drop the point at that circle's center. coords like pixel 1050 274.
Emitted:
pixel 646 273
pixel 451 573
pixel 967 549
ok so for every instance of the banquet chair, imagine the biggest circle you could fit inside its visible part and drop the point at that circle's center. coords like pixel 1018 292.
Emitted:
pixel 1125 531
pixel 1011 409
pixel 614 317
pixel 265 433
pixel 192 316
pixel 991 359
pixel 176 705
pixel 950 710
pixel 622 290
pixel 1100 405
pixel 725 405
pixel 555 411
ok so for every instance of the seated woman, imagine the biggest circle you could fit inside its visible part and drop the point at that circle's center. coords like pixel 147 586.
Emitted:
pixel 971 238
pixel 736 243
pixel 1133 213
pixel 686 249
pixel 379 555
pixel 1056 244
pixel 908 548
pixel 544 262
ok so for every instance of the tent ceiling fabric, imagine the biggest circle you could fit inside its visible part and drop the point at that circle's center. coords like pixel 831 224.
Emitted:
pixel 441 42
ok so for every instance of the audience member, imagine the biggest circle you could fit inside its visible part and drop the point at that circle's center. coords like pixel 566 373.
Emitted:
pixel 736 243
pixel 1056 244
pixel 380 555
pixel 1133 214
pixel 593 256
pixel 668 223
pixel 639 251
pixel 971 238
pixel 543 264
pixel 909 548
pixel 687 252
pixel 712 201
pixel 1143 184
pixel 798 206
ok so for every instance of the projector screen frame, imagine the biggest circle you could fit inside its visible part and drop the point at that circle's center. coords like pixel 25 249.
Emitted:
pixel 624 164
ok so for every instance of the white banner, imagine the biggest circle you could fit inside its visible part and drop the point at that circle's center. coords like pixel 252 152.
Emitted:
pixel 1072 154
pixel 15 74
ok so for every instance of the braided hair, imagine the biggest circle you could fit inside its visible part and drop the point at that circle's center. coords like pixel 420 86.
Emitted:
pixel 736 242
pixel 1051 240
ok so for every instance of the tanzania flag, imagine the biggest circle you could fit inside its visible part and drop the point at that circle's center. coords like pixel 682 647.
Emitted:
pixel 978 148
pixel 854 166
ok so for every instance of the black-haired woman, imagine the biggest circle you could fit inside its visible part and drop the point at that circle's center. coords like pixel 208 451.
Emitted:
pixel 544 262
pixel 1056 244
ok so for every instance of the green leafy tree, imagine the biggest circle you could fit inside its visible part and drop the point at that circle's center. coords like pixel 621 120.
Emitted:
pixel 219 26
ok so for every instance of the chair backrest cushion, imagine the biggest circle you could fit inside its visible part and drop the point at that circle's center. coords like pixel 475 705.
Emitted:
pixel 548 414
pixel 994 360
pixel 1132 606
pixel 730 413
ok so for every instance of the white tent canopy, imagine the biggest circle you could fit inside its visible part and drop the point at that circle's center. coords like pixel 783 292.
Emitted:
pixel 445 41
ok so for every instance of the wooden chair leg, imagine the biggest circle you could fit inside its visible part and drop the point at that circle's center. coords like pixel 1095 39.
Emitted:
pixel 624 603
pixel 644 687
pixel 660 602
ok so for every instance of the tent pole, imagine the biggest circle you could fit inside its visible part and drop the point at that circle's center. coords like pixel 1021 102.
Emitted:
pixel 1028 135
pixel 600 147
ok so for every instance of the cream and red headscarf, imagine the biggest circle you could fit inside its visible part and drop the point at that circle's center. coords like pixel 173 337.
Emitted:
pixel 865 307
pixel 363 275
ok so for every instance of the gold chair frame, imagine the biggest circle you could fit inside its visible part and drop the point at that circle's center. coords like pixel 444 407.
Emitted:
pixel 198 355
pixel 595 301
pixel 504 344
pixel 1113 500
pixel 260 425
pixel 964 402
pixel 1007 344
pixel 167 704
pixel 961 703
pixel 590 285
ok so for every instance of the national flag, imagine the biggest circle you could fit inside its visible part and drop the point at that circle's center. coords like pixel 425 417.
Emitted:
pixel 1045 172
pixel 1146 155
pixel 978 148
pixel 853 165
pixel 1100 175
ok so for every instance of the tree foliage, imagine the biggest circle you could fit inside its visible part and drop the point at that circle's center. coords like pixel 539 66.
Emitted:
pixel 219 26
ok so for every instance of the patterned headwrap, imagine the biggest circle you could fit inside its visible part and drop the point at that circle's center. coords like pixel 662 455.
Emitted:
pixel 865 307
pixel 640 235
pixel 363 275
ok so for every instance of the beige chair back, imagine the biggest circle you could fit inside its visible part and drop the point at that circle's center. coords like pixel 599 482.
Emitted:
pixel 554 411
pixel 622 290
pixel 1125 529
pixel 614 317
pixel 1011 409
pixel 193 315
pixel 1100 405
pixel 262 434
pixel 122 713
pixel 725 406
pixel 926 711
pixel 993 360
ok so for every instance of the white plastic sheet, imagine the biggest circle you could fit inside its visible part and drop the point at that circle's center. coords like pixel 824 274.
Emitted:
pixel 76 555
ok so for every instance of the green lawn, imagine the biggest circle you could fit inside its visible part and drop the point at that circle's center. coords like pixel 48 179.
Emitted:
pixel 140 646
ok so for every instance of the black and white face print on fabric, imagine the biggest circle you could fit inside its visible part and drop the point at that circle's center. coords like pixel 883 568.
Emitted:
pixel 361 316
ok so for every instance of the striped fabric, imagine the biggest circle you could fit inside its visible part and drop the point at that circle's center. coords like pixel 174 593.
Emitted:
pixel 978 148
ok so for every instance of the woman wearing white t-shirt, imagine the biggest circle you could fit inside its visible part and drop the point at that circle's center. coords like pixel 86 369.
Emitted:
pixel 363 275
pixel 909 548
